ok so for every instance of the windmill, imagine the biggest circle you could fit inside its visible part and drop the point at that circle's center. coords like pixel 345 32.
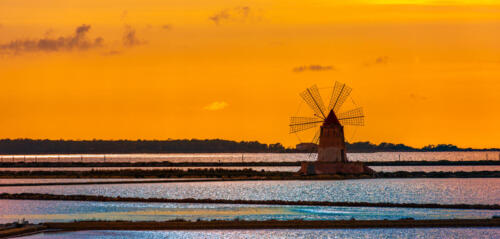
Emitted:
pixel 328 122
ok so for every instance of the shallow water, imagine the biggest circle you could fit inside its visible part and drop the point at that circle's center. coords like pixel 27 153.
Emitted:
pixel 413 190
pixel 60 211
pixel 250 157
pixel 77 180
pixel 323 233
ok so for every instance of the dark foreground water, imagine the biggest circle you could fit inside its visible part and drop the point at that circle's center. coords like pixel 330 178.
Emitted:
pixel 329 233
pixel 410 190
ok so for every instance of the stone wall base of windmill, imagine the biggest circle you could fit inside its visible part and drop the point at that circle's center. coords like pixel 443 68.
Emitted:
pixel 318 168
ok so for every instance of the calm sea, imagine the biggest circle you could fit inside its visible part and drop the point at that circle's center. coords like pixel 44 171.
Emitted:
pixel 400 233
pixel 65 211
pixel 408 190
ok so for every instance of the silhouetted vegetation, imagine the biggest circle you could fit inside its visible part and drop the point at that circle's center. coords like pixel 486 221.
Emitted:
pixel 31 146
pixel 389 147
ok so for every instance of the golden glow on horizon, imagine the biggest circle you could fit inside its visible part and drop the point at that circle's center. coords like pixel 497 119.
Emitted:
pixel 427 72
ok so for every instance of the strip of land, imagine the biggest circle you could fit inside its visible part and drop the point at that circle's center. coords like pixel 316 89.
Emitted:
pixel 6 164
pixel 245 225
pixel 237 174
pixel 271 224
pixel 14 231
pixel 185 180
pixel 55 197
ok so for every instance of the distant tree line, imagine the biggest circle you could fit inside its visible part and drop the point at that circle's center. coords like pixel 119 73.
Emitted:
pixel 389 147
pixel 31 146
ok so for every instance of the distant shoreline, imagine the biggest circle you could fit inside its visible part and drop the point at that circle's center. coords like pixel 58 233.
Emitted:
pixel 46 146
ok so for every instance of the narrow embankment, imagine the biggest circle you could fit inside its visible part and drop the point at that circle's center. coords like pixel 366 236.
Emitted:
pixel 235 174
pixel 272 224
pixel 37 196
pixel 6 232
pixel 186 180
pixel 244 225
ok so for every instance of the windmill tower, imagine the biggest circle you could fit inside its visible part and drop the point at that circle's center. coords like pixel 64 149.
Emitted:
pixel 332 157
pixel 331 140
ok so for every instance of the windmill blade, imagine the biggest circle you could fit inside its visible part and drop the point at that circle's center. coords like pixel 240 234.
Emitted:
pixel 312 97
pixel 352 117
pixel 339 95
pixel 298 124
pixel 316 137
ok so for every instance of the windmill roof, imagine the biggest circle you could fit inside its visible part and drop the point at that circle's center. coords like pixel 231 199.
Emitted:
pixel 331 119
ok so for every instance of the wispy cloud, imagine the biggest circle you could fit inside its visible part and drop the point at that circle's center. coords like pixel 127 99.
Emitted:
pixel 167 27
pixel 217 105
pixel 124 15
pixel 381 60
pixel 237 14
pixel 313 68
pixel 129 37
pixel 77 41
pixel 111 53
pixel 417 97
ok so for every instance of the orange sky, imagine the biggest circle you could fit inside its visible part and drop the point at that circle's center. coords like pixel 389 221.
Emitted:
pixel 426 72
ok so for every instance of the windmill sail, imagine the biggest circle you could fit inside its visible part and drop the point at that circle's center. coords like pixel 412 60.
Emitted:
pixel 315 139
pixel 352 117
pixel 339 95
pixel 312 97
pixel 298 124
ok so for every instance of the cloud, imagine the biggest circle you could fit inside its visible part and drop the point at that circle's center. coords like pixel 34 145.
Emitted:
pixel 313 68
pixel 129 37
pixel 49 32
pixel 416 97
pixel 167 27
pixel 237 14
pixel 124 15
pixel 381 60
pixel 111 53
pixel 77 41
pixel 217 105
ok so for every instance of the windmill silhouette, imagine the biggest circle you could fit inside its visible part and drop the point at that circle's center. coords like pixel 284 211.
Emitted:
pixel 329 124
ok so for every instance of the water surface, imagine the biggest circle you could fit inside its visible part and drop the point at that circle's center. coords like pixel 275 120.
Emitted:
pixel 64 211
pixel 317 233
pixel 251 157
pixel 408 190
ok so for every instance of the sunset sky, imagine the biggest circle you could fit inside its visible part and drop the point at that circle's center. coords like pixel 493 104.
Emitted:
pixel 426 72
